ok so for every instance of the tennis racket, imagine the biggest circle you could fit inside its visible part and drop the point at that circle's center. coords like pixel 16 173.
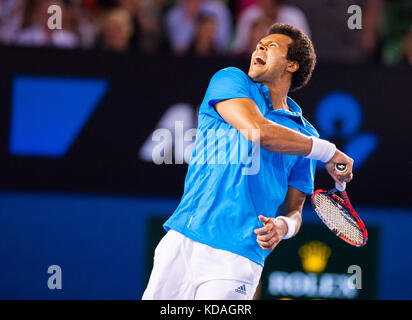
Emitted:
pixel 338 214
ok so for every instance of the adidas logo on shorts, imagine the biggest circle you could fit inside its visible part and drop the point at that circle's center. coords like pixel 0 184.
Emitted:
pixel 241 289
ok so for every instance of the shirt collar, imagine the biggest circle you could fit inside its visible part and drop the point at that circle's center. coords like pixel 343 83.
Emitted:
pixel 295 113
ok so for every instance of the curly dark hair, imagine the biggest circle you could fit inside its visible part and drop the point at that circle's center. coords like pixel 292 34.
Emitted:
pixel 300 50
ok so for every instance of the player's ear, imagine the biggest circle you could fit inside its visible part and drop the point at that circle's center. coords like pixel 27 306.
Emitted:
pixel 292 66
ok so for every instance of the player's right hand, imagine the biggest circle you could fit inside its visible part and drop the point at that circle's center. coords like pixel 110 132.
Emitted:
pixel 339 177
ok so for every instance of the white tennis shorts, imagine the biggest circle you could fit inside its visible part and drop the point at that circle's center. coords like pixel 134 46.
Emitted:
pixel 184 269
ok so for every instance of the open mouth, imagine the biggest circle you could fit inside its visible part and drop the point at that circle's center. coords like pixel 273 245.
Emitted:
pixel 259 60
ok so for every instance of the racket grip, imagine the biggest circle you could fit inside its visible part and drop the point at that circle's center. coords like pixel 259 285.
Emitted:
pixel 339 188
pixel 340 167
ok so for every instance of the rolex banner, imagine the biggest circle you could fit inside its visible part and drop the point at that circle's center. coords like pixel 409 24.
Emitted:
pixel 317 265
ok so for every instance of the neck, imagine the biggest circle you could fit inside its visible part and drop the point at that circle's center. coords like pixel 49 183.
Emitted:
pixel 278 94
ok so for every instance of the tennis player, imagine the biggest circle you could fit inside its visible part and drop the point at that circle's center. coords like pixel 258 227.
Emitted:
pixel 228 222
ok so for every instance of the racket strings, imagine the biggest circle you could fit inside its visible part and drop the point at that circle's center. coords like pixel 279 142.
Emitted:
pixel 337 218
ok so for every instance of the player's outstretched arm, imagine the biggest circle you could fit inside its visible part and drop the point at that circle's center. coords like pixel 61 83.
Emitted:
pixel 244 115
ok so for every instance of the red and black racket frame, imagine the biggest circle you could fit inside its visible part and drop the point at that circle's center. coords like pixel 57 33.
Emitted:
pixel 345 203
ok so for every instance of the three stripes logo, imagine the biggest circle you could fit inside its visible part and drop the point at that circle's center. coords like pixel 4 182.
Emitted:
pixel 241 289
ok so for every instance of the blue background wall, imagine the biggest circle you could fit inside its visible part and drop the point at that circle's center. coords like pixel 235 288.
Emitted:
pixel 99 243
pixel 71 136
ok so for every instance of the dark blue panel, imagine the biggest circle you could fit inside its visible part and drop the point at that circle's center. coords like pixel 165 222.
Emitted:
pixel 49 112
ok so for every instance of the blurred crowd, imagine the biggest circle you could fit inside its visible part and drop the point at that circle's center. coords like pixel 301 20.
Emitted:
pixel 212 27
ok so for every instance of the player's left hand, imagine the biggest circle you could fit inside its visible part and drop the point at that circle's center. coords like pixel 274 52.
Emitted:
pixel 271 233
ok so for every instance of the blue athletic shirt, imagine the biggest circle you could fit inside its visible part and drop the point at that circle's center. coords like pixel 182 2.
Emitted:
pixel 221 201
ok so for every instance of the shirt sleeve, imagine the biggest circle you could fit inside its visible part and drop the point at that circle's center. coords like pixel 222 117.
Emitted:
pixel 302 175
pixel 228 83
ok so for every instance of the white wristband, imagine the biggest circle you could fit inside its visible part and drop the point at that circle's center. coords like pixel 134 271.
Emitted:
pixel 291 226
pixel 321 150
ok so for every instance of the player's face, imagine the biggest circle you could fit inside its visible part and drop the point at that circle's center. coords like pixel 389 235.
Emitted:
pixel 269 58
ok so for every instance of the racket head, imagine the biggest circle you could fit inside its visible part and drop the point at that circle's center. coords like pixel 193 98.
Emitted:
pixel 339 217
